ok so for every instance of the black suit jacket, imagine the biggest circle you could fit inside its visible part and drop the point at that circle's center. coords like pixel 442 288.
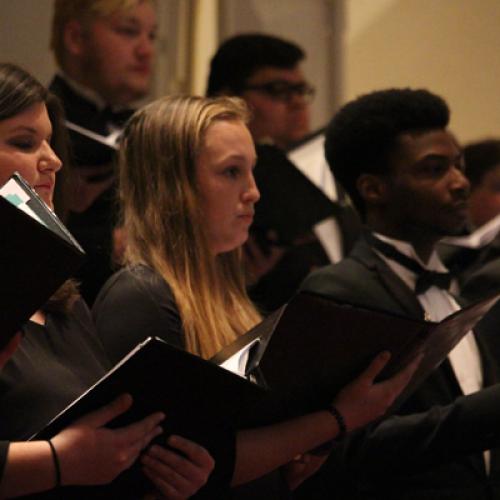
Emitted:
pixel 433 448
pixel 92 228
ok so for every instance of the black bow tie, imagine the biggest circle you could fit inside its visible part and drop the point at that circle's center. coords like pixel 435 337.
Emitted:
pixel 425 278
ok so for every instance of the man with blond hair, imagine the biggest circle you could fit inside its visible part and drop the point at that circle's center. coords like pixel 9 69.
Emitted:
pixel 104 50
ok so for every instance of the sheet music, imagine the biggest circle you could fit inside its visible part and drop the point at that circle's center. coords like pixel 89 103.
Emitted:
pixel 237 362
pixel 13 193
pixel 310 159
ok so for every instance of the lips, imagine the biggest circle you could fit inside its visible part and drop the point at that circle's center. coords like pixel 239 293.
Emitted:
pixel 46 185
pixel 248 217
pixel 461 206
pixel 144 69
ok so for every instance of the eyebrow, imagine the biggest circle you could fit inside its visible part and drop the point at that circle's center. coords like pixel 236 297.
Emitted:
pixel 240 157
pixel 437 156
pixel 24 128
pixel 131 18
pixel 30 130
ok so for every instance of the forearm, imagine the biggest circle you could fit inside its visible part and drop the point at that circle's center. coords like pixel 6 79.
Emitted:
pixel 469 425
pixel 264 449
pixel 29 469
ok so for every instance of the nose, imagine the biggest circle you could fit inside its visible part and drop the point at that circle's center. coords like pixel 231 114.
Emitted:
pixel 459 182
pixel 251 193
pixel 145 46
pixel 48 159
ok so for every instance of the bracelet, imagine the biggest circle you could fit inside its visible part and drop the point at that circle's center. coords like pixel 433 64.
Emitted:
pixel 57 466
pixel 340 422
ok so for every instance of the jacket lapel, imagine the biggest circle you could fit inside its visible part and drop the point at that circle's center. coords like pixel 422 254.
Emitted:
pixel 396 288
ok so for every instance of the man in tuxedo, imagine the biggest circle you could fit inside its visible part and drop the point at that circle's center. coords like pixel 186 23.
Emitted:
pixel 266 71
pixel 404 171
pixel 104 50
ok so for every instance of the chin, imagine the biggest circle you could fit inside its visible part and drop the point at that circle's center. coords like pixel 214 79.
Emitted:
pixel 232 245
pixel 139 87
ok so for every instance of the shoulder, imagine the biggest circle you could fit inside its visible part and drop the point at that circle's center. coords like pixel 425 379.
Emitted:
pixel 351 281
pixel 336 277
pixel 482 282
pixel 135 284
pixel 136 303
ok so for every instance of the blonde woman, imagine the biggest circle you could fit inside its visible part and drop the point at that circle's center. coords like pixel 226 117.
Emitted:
pixel 188 195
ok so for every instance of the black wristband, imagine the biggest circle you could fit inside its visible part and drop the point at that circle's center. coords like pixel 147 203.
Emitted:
pixel 57 466
pixel 340 422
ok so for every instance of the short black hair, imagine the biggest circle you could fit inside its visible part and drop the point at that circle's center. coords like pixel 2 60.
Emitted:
pixel 480 158
pixel 239 57
pixel 364 132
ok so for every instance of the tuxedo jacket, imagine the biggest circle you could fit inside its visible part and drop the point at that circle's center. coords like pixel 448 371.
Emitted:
pixel 433 447
pixel 485 280
pixel 93 227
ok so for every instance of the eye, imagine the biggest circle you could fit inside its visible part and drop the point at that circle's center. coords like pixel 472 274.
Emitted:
pixel 232 172
pixel 128 31
pixel 22 143
pixel 434 168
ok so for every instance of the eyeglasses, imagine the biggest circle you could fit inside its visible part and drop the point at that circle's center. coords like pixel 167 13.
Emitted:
pixel 282 90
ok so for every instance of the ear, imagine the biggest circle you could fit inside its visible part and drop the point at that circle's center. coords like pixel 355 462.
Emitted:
pixel 73 37
pixel 373 189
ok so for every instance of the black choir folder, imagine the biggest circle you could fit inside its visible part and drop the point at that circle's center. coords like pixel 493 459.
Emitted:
pixel 312 347
pixel 290 204
pixel 299 358
pixel 193 392
pixel 37 254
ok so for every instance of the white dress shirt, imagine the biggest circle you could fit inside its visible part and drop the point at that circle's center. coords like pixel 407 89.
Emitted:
pixel 438 304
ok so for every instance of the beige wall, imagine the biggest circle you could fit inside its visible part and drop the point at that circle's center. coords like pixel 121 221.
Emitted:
pixel 451 47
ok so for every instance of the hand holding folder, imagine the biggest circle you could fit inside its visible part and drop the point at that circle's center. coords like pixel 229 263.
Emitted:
pixel 303 355
pixel 312 347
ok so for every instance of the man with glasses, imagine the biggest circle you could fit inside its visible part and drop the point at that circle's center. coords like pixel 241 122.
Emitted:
pixel 266 72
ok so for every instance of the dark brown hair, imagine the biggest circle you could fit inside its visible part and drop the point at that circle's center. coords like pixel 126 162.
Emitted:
pixel 19 91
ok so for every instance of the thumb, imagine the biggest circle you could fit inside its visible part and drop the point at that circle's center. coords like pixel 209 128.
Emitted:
pixel 106 413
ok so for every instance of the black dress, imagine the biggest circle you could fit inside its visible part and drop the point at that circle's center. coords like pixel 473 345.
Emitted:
pixel 136 303
pixel 52 366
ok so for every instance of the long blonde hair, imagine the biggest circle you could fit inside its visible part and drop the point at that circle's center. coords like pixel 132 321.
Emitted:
pixel 165 226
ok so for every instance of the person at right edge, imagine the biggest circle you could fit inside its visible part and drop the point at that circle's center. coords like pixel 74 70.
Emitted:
pixel 404 171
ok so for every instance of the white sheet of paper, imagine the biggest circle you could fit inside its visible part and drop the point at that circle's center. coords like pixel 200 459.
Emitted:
pixel 238 361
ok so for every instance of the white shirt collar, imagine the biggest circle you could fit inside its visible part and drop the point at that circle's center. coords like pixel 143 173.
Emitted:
pixel 406 248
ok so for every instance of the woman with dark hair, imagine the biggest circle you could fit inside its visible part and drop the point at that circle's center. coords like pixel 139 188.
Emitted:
pixel 188 193
pixel 59 355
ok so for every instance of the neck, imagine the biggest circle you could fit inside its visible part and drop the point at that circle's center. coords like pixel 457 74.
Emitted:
pixel 80 80
pixel 423 244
